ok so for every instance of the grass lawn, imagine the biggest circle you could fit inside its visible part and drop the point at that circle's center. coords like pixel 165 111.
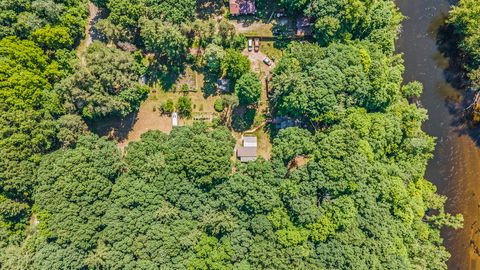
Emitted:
pixel 249 27
pixel 201 105
pixel 267 47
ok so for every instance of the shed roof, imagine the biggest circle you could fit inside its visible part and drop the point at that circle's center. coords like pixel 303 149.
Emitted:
pixel 250 140
pixel 247 152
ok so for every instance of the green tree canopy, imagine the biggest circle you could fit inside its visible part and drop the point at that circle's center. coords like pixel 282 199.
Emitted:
pixel 465 19
pixel 26 76
pixel 71 198
pixel 320 83
pixel 52 38
pixel 27 127
pixel 248 89
pixel 377 21
pixel 165 40
pixel 107 85
pixel 235 65
pixel 214 56
pixel 184 106
pixel 54 21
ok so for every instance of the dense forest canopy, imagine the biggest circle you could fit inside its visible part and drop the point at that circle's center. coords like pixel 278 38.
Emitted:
pixel 47 21
pixel 109 83
pixel 321 83
pixel 343 20
pixel 346 193
pixel 465 19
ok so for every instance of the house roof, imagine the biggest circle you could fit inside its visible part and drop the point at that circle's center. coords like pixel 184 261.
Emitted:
pixel 242 7
pixel 250 140
pixel 247 152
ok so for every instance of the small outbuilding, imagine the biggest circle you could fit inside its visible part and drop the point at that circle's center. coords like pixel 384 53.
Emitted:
pixel 250 141
pixel 248 151
pixel 242 7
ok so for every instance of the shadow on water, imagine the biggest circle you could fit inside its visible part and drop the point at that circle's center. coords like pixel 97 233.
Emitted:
pixel 455 75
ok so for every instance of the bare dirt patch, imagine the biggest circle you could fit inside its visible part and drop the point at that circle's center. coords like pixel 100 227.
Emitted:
pixel 147 119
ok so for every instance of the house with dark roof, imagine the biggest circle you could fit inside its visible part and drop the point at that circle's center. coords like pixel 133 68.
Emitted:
pixel 242 7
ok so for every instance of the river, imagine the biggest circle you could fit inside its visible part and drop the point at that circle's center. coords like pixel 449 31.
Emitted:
pixel 455 169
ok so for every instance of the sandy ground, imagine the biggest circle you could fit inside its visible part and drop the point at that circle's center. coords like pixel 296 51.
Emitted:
pixel 147 120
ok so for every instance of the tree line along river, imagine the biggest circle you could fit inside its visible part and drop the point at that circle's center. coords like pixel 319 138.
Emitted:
pixel 455 168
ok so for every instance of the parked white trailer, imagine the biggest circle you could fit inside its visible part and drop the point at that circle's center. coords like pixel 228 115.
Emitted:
pixel 175 119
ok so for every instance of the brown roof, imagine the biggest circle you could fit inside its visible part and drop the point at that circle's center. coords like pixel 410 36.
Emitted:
pixel 247 152
pixel 242 7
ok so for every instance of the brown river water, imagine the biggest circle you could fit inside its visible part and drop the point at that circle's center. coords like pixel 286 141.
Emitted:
pixel 455 169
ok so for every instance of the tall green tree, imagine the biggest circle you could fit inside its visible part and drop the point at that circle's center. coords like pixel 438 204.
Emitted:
pixel 320 83
pixel 464 18
pixel 184 106
pixel 165 40
pixel 71 198
pixel 27 128
pixel 109 84
pixel 377 21
pixel 248 89
pixel 235 65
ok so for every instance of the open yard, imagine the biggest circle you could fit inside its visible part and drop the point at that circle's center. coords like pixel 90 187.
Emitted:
pixel 253 28
pixel 149 116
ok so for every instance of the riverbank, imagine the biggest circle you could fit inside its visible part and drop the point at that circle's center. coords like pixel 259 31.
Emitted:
pixel 455 168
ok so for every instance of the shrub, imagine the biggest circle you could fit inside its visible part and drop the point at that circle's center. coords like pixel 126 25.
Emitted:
pixel 184 106
pixel 167 107
pixel 218 105
pixel 185 88
pixel 249 89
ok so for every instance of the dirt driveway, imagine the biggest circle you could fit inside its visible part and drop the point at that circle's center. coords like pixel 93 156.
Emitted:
pixel 256 59
pixel 259 67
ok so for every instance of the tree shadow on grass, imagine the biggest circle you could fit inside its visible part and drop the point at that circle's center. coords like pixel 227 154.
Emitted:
pixel 166 75
pixel 243 118
pixel 210 86
pixel 113 127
